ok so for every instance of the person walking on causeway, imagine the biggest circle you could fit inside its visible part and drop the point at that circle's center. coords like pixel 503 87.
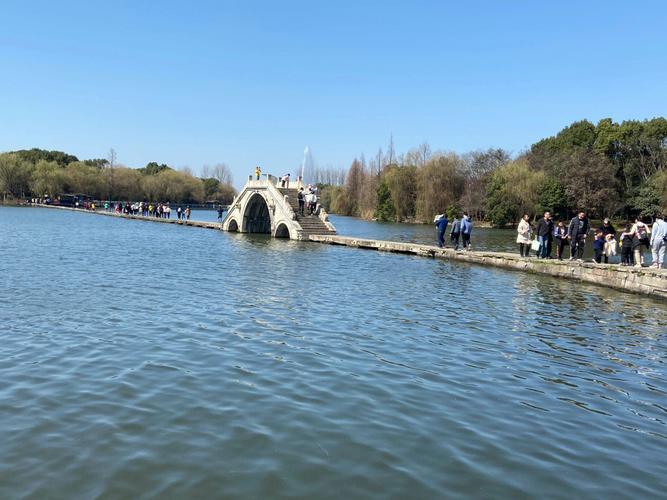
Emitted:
pixel 466 230
pixel 658 241
pixel 544 229
pixel 441 228
pixel 577 231
pixel 456 232
pixel 524 235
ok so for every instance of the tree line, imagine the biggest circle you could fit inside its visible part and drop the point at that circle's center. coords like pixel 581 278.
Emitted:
pixel 38 173
pixel 608 169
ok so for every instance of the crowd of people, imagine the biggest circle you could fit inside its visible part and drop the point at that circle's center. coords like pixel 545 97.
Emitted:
pixel 607 242
pixel 148 209
pixel 307 200
pixel 547 235
pixel 459 234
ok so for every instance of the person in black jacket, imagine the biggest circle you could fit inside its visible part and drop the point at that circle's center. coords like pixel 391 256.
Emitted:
pixel 577 231
pixel 544 229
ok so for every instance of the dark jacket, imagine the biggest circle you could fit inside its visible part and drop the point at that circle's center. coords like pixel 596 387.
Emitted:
pixel 578 227
pixel 442 224
pixel 544 227
pixel 627 240
pixel 608 230
pixel 456 226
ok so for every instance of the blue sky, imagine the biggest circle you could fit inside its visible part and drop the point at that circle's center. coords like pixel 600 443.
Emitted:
pixel 245 83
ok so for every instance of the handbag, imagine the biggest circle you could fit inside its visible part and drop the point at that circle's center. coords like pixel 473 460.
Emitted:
pixel 535 245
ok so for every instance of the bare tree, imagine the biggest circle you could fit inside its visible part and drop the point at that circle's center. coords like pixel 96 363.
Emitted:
pixel 111 158
pixel 424 153
pixel 221 172
pixel 391 154
pixel 379 165
pixel 111 177
pixel 418 156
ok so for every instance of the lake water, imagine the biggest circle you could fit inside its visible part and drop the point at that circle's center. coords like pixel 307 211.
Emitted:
pixel 147 360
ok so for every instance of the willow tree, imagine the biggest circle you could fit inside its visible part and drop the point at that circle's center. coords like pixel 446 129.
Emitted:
pixel 15 174
pixel 402 184
pixel 439 186
pixel 513 190
pixel 48 178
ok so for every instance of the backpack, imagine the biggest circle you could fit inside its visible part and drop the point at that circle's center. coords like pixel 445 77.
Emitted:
pixel 299 196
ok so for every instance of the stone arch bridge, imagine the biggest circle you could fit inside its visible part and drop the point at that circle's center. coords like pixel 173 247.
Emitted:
pixel 263 206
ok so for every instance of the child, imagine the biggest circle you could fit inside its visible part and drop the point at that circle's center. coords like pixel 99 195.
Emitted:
pixel 609 247
pixel 560 233
pixel 598 246
pixel 626 246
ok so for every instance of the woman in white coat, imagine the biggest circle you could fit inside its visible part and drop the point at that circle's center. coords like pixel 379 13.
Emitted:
pixel 524 236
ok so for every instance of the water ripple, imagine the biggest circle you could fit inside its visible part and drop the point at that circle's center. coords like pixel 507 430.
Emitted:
pixel 146 361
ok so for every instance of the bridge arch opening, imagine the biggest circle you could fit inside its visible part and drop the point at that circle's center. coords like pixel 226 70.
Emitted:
pixel 282 231
pixel 256 217
pixel 233 226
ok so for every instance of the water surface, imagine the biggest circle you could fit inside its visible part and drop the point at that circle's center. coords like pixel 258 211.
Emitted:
pixel 147 360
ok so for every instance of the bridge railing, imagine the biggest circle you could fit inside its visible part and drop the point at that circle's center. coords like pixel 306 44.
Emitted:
pixel 277 180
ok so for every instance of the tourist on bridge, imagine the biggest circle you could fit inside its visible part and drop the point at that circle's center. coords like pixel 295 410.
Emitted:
pixel 284 182
pixel 524 236
pixel 544 229
pixel 220 210
pixel 658 241
pixel 187 212
pixel 456 232
pixel 311 201
pixel 441 228
pixel 560 234
pixel 178 213
pixel 301 199
pixel 258 172
pixel 577 231
pixel 466 230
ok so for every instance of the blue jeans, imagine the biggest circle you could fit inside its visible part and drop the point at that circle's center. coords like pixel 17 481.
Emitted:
pixel 441 239
pixel 544 242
